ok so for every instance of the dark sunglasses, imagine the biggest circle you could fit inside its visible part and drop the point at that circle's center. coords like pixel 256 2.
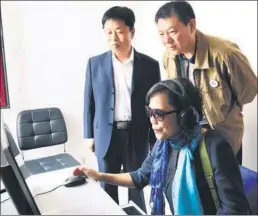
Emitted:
pixel 157 113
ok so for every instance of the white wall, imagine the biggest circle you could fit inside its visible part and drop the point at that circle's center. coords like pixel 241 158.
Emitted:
pixel 48 44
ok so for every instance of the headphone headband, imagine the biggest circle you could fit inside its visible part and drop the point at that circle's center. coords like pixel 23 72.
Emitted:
pixel 182 94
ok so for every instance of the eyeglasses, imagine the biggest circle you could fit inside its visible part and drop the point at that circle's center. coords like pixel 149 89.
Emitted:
pixel 157 113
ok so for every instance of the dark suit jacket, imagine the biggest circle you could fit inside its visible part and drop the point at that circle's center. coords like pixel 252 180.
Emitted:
pixel 99 102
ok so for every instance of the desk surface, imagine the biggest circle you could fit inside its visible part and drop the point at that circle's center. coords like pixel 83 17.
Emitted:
pixel 86 199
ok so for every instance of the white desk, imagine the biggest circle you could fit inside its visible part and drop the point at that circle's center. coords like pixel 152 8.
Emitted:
pixel 86 199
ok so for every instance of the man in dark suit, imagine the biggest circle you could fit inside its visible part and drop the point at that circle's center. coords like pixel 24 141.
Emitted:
pixel 115 123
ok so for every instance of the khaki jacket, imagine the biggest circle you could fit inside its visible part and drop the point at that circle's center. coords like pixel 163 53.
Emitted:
pixel 226 81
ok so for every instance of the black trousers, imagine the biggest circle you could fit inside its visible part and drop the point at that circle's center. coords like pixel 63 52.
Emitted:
pixel 120 153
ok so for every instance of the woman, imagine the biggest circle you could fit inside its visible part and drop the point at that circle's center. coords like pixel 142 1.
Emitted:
pixel 173 167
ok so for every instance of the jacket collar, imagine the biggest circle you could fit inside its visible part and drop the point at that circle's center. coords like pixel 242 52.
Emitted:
pixel 202 52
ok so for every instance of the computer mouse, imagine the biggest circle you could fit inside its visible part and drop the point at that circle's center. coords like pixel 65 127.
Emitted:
pixel 74 181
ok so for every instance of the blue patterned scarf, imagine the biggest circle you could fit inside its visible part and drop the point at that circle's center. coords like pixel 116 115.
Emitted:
pixel 185 194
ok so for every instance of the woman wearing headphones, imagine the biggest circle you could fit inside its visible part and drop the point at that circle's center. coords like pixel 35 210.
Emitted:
pixel 174 168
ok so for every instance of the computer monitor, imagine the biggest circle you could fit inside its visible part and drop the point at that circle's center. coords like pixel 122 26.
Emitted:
pixel 15 182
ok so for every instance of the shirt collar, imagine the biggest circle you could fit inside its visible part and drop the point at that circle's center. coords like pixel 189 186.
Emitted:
pixel 129 60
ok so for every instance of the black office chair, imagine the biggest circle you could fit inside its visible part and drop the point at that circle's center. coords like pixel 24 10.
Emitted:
pixel 40 128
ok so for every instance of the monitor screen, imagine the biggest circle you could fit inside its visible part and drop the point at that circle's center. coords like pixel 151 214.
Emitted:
pixel 15 182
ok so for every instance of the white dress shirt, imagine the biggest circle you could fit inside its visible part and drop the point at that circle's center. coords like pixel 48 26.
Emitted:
pixel 123 79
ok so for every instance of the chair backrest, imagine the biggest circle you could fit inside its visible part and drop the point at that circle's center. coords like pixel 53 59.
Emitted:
pixel 41 128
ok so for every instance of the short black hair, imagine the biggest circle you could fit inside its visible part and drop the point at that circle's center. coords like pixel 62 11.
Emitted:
pixel 181 9
pixel 124 14
pixel 192 92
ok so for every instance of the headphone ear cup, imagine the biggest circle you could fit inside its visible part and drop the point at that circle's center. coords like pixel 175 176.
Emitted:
pixel 183 119
pixel 196 115
pixel 189 118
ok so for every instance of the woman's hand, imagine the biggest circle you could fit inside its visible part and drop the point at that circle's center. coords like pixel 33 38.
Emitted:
pixel 85 171
pixel 120 179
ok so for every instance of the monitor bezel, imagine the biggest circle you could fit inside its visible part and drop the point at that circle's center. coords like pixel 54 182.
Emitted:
pixel 19 178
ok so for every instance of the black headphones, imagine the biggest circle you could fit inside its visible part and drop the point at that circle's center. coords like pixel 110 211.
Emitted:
pixel 188 117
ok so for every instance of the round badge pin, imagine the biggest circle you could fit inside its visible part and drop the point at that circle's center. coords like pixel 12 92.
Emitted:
pixel 214 83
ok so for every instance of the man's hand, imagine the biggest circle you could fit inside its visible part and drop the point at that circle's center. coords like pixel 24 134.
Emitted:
pixel 90 144
pixel 90 173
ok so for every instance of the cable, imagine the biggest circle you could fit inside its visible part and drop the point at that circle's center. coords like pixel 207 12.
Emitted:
pixel 5 200
pixel 2 191
pixel 39 193
pixel 48 191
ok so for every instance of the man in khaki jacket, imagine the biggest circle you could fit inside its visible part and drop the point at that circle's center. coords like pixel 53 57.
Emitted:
pixel 216 66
